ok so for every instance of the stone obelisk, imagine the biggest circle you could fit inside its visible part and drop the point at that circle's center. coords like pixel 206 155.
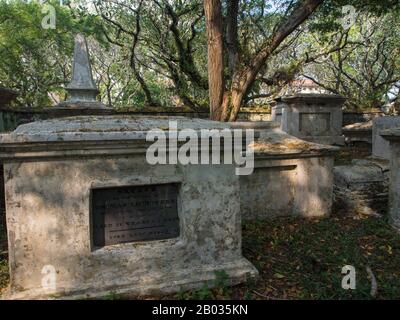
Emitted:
pixel 82 89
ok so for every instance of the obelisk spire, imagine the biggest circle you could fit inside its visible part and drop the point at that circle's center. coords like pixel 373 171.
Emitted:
pixel 82 78
pixel 82 89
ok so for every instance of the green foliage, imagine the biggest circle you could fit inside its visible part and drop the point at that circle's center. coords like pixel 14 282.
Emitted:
pixel 171 52
pixel 113 296
pixel 367 64
pixel 36 61
pixel 359 64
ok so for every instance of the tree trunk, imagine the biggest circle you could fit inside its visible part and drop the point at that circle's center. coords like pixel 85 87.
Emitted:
pixel 213 14
pixel 231 34
pixel 225 106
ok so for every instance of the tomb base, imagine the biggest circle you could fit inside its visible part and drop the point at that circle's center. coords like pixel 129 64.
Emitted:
pixel 172 282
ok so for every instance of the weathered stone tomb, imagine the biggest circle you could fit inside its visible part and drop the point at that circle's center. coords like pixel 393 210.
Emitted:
pixel 362 186
pixel 277 110
pixel 87 215
pixel 291 177
pixel 393 136
pixel 314 117
pixel 360 132
pixel 380 146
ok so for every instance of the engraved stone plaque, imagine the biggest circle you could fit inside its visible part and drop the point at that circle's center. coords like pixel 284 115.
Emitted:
pixel 135 213
pixel 315 123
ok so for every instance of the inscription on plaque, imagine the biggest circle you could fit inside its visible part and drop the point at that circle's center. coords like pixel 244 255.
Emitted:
pixel 136 213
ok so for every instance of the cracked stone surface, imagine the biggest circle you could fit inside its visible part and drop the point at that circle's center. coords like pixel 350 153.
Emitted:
pixel 50 171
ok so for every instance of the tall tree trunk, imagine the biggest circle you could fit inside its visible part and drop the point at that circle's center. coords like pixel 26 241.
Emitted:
pixel 231 33
pixel 225 106
pixel 213 14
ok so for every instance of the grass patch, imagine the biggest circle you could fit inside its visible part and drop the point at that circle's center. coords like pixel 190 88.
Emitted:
pixel 303 259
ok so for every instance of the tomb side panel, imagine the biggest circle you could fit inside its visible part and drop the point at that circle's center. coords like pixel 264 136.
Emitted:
pixel 49 220
pixel 314 187
pixel 269 191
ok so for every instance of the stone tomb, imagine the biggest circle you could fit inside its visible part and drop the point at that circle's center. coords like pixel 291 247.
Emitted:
pixel 277 110
pixel 360 132
pixel 362 186
pixel 292 177
pixel 393 136
pixel 380 146
pixel 314 117
pixel 87 215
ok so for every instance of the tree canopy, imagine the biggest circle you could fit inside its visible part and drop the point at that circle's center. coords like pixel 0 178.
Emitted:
pixel 164 53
